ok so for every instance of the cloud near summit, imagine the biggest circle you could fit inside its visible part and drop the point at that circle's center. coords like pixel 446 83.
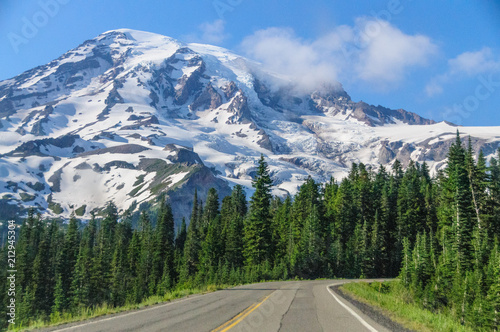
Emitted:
pixel 371 51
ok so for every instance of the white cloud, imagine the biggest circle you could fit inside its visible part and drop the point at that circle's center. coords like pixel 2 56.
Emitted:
pixel 209 32
pixel 473 63
pixel 371 51
pixel 389 53
pixel 464 65
pixel 283 52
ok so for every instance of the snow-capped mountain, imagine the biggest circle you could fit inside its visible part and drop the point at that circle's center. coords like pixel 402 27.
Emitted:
pixel 129 115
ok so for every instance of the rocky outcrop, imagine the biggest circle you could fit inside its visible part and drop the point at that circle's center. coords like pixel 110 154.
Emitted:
pixel 113 98
pixel 34 147
pixel 188 85
pixel 124 149
pixel 265 141
pixel 43 117
pixel 385 154
pixel 230 90
pixel 183 155
pixel 208 99
pixel 6 108
pixel 142 121
pixel 239 107
pixel 404 154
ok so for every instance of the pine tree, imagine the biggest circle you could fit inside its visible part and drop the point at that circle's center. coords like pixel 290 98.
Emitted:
pixel 494 200
pixel 211 248
pixel 121 281
pixel 192 246
pixel 210 211
pixel 343 215
pixel 163 247
pixel 257 232
pixel 27 247
pixel 462 218
pixel 493 293
pixel 282 231
pixel 134 266
pixel 82 287
pixel 42 278
pixel 233 212
pixel 142 284
pixel 180 239
pixel 477 178
pixel 104 254
pixel 310 249
pixel 66 265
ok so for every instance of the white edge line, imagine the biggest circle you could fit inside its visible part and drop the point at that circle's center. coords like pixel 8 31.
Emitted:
pixel 129 314
pixel 352 312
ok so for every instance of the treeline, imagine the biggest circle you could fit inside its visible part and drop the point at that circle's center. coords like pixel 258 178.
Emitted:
pixel 454 265
pixel 440 234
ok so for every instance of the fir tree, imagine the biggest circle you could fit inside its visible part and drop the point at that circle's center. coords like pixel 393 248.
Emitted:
pixel 66 264
pixel 192 245
pixel 257 230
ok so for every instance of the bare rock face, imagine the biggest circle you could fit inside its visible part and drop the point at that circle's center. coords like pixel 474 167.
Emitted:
pixel 37 129
pixel 266 96
pixel 408 117
pixel 208 99
pixel 385 154
pixel 189 85
pixel 404 154
pixel 239 107
pixel 6 108
pixel 121 149
pixel 265 141
pixel 183 155
pixel 39 147
pixel 230 90
pixel 113 98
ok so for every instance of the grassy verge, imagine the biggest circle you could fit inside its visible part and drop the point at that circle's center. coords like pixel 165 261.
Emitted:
pixel 89 313
pixel 395 302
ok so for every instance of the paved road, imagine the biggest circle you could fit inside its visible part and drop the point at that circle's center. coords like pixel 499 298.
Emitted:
pixel 274 306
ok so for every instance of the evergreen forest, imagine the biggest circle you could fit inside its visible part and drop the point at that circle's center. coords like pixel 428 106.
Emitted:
pixel 439 235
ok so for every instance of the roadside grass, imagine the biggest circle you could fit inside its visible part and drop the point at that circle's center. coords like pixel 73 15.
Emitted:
pixel 395 302
pixel 103 310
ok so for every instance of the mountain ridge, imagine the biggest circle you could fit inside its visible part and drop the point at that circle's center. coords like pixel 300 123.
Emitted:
pixel 124 110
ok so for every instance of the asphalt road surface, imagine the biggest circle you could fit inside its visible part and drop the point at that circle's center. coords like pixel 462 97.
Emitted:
pixel 302 306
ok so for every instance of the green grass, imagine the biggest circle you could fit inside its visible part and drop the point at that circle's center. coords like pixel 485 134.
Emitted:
pixel 139 180
pixel 102 310
pixel 25 197
pixel 56 208
pixel 394 301
pixel 81 210
pixel 134 191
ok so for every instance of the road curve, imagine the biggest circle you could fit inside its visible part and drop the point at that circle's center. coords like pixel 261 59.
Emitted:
pixel 266 307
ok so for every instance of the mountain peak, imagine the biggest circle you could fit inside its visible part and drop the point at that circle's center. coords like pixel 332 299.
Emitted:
pixel 99 124
pixel 138 36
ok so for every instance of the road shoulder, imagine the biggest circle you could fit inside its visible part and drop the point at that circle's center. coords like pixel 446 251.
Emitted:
pixel 370 311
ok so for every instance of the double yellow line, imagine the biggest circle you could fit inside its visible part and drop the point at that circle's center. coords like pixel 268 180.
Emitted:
pixel 238 318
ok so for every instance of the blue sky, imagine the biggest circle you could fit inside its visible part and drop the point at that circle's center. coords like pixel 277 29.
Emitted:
pixel 440 59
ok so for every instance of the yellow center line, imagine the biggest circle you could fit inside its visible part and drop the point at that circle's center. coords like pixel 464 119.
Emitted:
pixel 234 318
pixel 238 318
